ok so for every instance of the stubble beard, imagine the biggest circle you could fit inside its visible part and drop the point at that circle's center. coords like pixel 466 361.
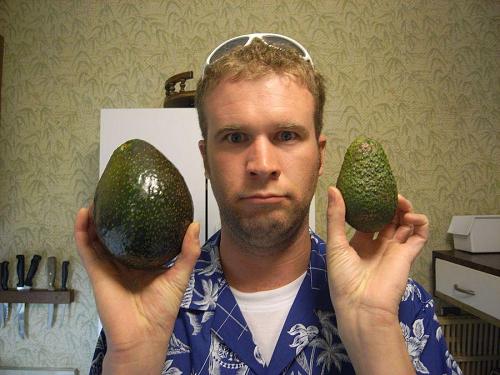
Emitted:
pixel 265 233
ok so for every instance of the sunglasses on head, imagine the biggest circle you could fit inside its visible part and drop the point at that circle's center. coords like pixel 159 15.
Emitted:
pixel 275 40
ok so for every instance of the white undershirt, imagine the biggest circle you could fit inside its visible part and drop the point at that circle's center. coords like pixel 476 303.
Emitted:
pixel 266 312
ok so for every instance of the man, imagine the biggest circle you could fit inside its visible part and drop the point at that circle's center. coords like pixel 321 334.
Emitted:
pixel 267 295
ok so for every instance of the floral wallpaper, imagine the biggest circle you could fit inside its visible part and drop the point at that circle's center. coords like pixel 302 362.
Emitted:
pixel 421 76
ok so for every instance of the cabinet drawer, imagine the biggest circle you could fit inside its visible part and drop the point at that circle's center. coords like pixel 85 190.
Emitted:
pixel 477 289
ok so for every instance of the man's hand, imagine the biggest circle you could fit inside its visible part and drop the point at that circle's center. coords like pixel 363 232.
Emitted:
pixel 367 278
pixel 137 308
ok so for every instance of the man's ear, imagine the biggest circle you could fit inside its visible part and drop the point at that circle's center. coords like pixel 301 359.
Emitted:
pixel 322 150
pixel 202 146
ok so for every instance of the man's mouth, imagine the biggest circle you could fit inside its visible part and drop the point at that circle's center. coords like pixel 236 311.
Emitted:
pixel 264 198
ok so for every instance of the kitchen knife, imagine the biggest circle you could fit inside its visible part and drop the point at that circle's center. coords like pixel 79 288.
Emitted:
pixel 32 270
pixel 20 286
pixel 4 278
pixel 25 286
pixel 51 278
pixel 64 279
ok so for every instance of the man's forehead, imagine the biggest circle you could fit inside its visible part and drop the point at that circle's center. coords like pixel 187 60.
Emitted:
pixel 258 106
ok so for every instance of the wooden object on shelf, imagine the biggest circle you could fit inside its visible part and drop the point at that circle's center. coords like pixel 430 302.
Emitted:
pixel 58 297
pixel 469 281
pixel 181 98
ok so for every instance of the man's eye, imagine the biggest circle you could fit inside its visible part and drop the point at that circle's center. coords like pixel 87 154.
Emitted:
pixel 235 137
pixel 287 136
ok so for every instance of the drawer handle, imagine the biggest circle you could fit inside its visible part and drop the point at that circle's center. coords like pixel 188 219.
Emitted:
pixel 466 291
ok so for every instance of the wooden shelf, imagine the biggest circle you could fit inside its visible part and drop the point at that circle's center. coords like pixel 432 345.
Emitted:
pixel 58 297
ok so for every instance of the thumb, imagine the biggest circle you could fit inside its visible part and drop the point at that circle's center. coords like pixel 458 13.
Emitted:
pixel 190 251
pixel 336 219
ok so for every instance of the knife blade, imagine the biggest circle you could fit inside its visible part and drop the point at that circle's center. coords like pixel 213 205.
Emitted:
pixel 51 278
pixel 4 278
pixel 25 286
pixel 64 279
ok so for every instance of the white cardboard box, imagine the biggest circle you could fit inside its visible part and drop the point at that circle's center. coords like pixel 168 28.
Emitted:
pixel 476 233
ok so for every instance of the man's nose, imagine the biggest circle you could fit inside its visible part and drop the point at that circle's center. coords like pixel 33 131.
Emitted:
pixel 262 159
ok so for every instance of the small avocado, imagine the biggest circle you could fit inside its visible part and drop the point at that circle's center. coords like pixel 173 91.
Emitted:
pixel 142 206
pixel 367 185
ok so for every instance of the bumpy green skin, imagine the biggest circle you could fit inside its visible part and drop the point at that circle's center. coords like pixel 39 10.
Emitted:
pixel 368 186
pixel 142 206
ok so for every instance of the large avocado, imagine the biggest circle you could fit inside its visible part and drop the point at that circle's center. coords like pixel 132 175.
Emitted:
pixel 367 185
pixel 142 206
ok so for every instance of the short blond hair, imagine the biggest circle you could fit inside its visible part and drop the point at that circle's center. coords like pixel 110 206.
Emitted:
pixel 258 60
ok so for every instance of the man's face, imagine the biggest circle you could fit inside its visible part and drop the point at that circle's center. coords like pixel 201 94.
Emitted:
pixel 262 157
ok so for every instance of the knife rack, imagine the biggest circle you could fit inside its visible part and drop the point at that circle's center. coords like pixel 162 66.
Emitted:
pixel 58 297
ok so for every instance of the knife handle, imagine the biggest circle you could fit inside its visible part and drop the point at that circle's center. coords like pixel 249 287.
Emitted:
pixel 5 275
pixel 64 273
pixel 51 272
pixel 32 270
pixel 20 270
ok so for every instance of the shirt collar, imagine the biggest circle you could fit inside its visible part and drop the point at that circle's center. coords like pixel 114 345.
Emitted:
pixel 207 281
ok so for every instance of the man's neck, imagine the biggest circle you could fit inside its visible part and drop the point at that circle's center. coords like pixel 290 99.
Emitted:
pixel 264 269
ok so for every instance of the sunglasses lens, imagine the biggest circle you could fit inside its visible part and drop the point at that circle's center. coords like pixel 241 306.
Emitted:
pixel 226 47
pixel 284 43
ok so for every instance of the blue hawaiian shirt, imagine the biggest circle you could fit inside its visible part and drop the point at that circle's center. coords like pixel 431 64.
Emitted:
pixel 211 336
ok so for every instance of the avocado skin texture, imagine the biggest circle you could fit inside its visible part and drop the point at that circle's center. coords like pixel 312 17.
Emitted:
pixel 368 186
pixel 142 206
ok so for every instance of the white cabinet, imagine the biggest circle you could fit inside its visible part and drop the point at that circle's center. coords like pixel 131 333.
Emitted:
pixel 469 281
pixel 477 289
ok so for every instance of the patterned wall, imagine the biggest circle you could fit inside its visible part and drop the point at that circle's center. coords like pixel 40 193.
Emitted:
pixel 421 76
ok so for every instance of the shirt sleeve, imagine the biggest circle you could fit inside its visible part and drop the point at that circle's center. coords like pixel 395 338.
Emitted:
pixel 423 334
pixel 99 353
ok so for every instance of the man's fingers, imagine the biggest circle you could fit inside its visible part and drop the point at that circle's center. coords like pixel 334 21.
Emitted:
pixel 404 205
pixel 412 234
pixel 390 230
pixel 420 225
pixel 403 233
